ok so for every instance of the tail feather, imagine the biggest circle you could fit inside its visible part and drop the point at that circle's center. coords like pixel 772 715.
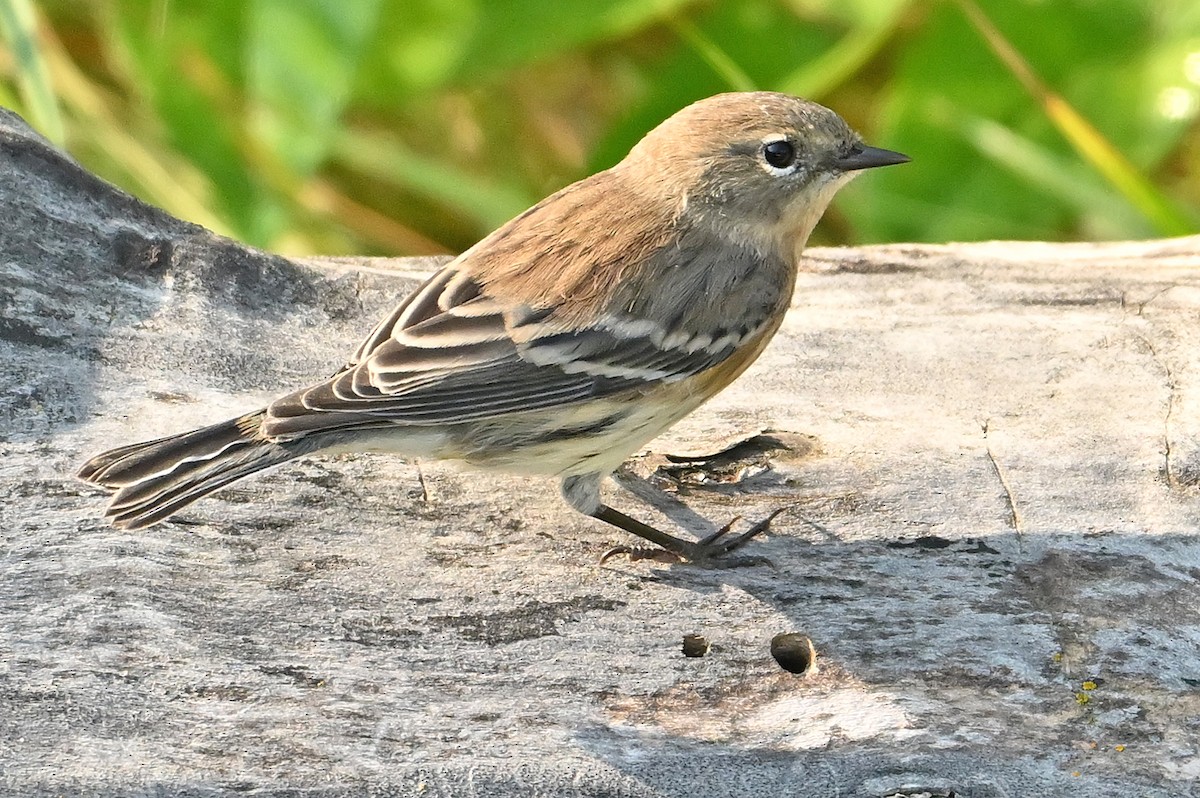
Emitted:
pixel 154 479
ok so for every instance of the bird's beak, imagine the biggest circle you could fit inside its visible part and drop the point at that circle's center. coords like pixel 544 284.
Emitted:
pixel 864 157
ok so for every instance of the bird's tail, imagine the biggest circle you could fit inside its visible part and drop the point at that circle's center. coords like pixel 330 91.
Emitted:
pixel 155 479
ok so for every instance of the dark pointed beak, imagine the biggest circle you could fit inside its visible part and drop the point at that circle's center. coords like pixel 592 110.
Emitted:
pixel 864 157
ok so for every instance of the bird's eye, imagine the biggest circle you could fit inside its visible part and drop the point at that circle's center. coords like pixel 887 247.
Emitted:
pixel 779 154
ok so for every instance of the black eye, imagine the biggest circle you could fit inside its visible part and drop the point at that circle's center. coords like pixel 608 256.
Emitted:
pixel 780 154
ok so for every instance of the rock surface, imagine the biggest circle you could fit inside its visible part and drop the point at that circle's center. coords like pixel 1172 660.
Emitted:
pixel 989 454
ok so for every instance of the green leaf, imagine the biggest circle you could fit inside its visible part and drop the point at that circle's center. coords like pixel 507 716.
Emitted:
pixel 302 58
pixel 511 32
pixel 427 45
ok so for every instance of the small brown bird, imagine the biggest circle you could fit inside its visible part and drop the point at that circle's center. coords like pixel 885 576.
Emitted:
pixel 569 337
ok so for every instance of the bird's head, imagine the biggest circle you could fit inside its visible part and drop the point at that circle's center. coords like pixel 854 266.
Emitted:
pixel 758 166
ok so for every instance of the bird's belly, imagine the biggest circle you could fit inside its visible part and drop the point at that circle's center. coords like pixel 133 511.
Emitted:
pixel 596 436
pixel 592 437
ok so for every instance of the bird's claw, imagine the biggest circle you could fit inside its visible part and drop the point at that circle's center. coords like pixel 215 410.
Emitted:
pixel 635 553
pixel 704 551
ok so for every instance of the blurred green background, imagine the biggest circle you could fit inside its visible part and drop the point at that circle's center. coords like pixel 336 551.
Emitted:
pixel 416 126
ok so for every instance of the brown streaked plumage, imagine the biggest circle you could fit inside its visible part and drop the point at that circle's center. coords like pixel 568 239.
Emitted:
pixel 570 336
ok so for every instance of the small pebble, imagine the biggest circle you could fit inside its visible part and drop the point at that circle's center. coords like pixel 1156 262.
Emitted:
pixel 695 645
pixel 794 652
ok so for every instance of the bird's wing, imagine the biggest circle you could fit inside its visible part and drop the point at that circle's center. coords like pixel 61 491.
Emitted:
pixel 451 353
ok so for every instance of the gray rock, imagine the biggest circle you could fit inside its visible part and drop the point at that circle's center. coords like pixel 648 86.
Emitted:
pixel 989 453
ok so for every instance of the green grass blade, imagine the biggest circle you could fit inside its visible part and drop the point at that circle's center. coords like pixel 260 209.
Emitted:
pixel 1167 217
pixel 486 204
pixel 842 61
pixel 18 24
pixel 1062 178
pixel 712 54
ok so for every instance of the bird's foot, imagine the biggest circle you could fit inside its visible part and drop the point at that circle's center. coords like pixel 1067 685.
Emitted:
pixel 711 550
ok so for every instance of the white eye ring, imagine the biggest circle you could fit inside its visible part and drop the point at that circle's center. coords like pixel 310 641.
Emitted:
pixel 779 156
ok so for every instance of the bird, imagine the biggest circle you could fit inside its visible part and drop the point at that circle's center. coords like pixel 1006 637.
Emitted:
pixel 569 337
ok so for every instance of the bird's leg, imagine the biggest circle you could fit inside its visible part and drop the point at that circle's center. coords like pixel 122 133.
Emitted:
pixel 583 493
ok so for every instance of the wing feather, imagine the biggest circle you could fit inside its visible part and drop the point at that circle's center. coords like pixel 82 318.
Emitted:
pixel 451 354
